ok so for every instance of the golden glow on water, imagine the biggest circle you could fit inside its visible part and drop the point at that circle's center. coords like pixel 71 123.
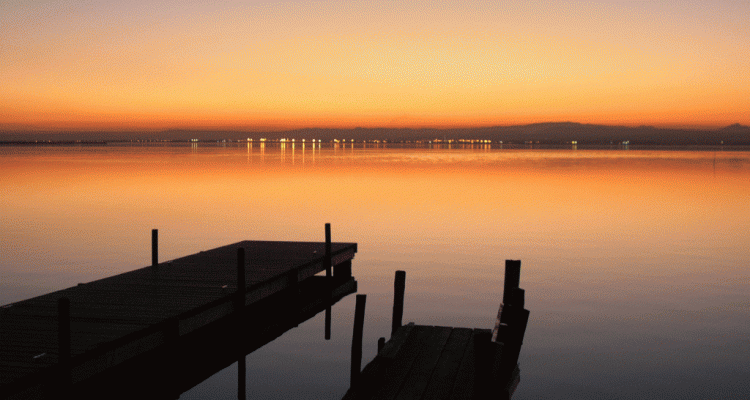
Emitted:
pixel 623 251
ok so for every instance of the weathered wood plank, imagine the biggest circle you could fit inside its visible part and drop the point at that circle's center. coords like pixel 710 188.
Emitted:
pixel 419 377
pixel 447 367
pixel 393 346
pixel 396 373
pixel 463 387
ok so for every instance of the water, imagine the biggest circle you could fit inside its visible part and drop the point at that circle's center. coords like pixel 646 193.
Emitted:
pixel 635 262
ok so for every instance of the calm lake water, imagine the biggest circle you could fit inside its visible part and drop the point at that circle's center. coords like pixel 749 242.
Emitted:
pixel 636 263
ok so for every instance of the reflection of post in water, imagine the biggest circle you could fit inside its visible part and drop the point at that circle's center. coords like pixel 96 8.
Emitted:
pixel 241 377
pixel 328 323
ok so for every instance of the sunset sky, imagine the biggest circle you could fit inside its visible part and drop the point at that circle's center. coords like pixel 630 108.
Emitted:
pixel 258 65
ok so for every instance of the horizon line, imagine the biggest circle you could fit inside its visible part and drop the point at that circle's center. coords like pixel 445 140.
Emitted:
pixel 278 129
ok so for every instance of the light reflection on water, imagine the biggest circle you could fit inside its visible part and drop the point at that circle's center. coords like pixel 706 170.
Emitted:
pixel 634 262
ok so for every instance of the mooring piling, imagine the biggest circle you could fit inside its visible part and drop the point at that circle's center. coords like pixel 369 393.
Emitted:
pixel 358 331
pixel 154 247
pixel 328 251
pixel 512 279
pixel 328 324
pixel 399 286
pixel 241 377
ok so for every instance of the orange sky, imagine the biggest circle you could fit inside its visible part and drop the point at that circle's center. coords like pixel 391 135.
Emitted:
pixel 290 64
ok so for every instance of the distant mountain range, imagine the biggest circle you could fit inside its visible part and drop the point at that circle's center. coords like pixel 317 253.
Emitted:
pixel 544 133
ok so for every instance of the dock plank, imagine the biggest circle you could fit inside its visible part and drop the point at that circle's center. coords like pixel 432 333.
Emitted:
pixel 446 370
pixel 395 375
pixel 419 377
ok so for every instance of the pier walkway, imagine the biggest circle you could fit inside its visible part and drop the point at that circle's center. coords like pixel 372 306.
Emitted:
pixel 108 329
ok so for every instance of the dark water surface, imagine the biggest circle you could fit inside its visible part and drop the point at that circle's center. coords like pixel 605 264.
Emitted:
pixel 636 263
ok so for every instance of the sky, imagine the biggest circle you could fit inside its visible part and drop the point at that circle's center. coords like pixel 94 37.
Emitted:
pixel 260 65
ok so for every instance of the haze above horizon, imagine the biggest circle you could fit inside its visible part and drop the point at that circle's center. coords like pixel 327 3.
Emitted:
pixel 262 65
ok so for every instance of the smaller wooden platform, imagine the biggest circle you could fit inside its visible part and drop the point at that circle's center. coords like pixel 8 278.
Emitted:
pixel 437 362
pixel 425 362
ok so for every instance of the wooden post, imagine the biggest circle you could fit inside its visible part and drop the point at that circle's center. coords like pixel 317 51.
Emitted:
pixel 518 297
pixel 328 251
pixel 63 337
pixel 241 283
pixel 241 377
pixel 328 323
pixel 512 279
pixel 399 286
pixel 381 344
pixel 154 247
pixel 503 333
pixel 359 322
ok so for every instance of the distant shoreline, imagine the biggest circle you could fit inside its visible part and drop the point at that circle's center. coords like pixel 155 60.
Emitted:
pixel 554 133
pixel 386 144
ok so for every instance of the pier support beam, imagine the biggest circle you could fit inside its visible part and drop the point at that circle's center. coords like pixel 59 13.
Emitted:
pixel 154 247
pixel 328 251
pixel 241 376
pixel 512 279
pixel 399 286
pixel 328 324
pixel 359 323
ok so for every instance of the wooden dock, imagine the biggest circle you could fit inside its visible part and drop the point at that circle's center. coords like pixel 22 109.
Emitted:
pixel 435 362
pixel 234 298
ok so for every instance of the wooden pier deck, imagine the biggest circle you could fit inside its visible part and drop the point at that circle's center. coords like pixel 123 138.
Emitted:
pixel 47 346
pixel 436 362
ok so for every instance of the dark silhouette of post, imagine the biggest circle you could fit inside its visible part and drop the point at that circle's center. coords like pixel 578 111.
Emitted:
pixel 512 279
pixel 399 286
pixel 359 323
pixel 328 251
pixel 241 374
pixel 240 278
pixel 328 323
pixel 154 247
pixel 63 338
pixel 381 344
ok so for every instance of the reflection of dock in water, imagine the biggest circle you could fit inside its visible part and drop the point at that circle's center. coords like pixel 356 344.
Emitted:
pixel 159 330
pixel 435 362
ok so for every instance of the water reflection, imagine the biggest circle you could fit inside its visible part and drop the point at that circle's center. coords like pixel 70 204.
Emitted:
pixel 635 258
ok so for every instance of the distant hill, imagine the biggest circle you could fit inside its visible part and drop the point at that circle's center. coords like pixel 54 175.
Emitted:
pixel 544 133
